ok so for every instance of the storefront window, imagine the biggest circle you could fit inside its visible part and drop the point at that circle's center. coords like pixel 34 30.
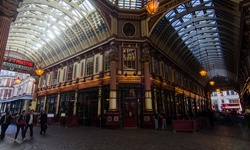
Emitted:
pixel 97 65
pixel 67 103
pixel 69 72
pixel 75 71
pixel 90 66
pixel 156 67
pixel 40 104
pixel 54 79
pixel 106 61
pixel 129 57
pixel 51 104
pixel 82 69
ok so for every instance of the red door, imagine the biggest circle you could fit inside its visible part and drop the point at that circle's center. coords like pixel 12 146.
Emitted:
pixel 130 113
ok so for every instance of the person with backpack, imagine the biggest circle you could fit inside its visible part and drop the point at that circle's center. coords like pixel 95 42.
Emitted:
pixel 20 123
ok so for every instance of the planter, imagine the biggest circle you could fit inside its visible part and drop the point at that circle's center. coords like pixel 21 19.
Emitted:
pixel 185 125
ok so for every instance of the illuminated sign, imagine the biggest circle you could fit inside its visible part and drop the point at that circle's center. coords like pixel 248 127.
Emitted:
pixel 11 65
pixel 18 61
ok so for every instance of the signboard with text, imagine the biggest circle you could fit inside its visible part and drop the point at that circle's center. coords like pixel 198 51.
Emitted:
pixel 17 63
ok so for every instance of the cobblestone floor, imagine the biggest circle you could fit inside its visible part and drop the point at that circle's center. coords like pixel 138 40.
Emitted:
pixel 228 137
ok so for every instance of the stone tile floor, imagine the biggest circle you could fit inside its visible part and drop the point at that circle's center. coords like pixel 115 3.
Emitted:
pixel 228 137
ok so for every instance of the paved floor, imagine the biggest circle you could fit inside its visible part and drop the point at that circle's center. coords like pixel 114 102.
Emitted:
pixel 228 137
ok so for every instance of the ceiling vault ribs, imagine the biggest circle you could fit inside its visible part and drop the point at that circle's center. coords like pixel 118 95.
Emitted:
pixel 199 27
pixel 195 34
pixel 55 30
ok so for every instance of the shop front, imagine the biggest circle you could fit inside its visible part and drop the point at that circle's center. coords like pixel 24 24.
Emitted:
pixel 130 102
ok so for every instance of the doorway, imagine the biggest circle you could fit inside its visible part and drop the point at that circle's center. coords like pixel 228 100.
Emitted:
pixel 130 113
pixel 130 105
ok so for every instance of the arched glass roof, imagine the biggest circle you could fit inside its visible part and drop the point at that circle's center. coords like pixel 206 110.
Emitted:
pixel 129 4
pixel 201 34
pixel 48 31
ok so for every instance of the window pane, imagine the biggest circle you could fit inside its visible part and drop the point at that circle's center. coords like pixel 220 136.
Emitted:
pixel 129 57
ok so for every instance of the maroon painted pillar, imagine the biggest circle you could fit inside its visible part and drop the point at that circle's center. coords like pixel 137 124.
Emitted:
pixel 7 14
pixel 148 119
pixel 113 121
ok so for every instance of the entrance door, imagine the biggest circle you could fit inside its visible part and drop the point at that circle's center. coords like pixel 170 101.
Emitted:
pixel 130 113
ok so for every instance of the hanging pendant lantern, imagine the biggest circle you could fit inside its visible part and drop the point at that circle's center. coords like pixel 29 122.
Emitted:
pixel 203 72
pixel 18 80
pixel 152 6
pixel 211 82
pixel 39 71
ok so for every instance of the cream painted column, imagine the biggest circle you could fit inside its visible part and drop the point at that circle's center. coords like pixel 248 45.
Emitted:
pixel 58 102
pixel 44 103
pixel 26 105
pixel 163 101
pixel 75 102
pixel 148 97
pixel 113 65
pixel 99 101
pixel 155 100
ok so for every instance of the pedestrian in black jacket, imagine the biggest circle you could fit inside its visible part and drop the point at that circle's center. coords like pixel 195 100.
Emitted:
pixel 43 122
pixel 5 122
pixel 29 123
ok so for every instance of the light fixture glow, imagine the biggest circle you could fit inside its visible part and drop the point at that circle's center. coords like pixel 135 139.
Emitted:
pixel 203 72
pixel 211 82
pixel 152 6
pixel 39 71
pixel 18 80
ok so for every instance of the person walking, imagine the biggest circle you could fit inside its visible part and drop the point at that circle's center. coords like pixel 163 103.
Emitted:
pixel 43 122
pixel 5 122
pixel 155 117
pixel 20 123
pixel 164 124
pixel 29 123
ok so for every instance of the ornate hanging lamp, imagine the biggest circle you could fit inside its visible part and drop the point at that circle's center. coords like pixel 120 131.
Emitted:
pixel 39 71
pixel 212 82
pixel 152 6
pixel 18 80
pixel 203 72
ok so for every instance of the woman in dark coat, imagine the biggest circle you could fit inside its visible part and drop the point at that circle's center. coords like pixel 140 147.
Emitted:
pixel 5 122
pixel 22 117
pixel 43 121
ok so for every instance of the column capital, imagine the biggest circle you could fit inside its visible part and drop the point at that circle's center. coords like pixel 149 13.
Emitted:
pixel 145 48
pixel 145 52
pixel 113 55
pixel 145 58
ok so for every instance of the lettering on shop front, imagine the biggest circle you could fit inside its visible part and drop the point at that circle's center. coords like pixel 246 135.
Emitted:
pixel 16 66
pixel 18 61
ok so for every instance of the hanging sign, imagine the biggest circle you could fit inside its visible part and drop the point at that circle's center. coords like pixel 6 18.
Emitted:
pixel 17 63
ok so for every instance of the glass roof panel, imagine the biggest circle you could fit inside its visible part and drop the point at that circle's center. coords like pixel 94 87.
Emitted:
pixel 128 4
pixel 46 23
pixel 193 33
pixel 181 8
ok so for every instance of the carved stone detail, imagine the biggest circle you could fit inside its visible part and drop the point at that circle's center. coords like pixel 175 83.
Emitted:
pixel 113 55
pixel 146 53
